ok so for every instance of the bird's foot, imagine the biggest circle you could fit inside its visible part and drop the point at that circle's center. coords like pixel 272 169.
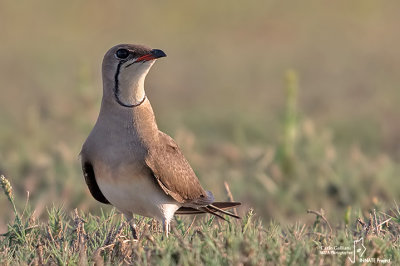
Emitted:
pixel 133 227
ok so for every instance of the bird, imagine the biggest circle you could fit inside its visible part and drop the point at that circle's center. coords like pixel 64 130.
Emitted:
pixel 127 161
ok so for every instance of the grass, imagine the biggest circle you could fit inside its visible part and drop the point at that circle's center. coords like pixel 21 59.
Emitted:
pixel 81 238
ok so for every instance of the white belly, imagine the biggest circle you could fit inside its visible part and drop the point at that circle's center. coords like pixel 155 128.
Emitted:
pixel 137 194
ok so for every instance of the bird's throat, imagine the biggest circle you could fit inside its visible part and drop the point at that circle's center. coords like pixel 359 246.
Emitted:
pixel 131 97
pixel 129 88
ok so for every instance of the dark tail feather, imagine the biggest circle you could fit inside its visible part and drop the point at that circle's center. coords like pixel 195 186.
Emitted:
pixel 212 208
pixel 188 210
pixel 208 210
pixel 225 205
pixel 222 211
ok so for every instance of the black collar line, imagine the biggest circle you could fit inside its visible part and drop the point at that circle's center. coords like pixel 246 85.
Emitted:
pixel 130 105
pixel 116 90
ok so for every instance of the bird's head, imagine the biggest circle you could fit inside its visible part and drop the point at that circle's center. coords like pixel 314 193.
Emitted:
pixel 125 67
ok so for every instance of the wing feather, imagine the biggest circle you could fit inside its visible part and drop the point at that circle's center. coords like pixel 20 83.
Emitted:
pixel 173 172
pixel 91 182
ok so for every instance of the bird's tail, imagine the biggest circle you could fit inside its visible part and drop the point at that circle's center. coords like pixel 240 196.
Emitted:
pixel 216 208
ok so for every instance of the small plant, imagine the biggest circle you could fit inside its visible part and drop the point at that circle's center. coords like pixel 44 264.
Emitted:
pixel 6 186
pixel 19 230
pixel 286 155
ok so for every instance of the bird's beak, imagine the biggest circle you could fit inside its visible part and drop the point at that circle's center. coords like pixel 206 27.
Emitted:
pixel 154 54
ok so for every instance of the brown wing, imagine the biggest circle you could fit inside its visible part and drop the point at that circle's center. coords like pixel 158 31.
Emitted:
pixel 90 179
pixel 174 174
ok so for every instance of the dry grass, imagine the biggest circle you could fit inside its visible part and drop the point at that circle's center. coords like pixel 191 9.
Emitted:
pixel 85 239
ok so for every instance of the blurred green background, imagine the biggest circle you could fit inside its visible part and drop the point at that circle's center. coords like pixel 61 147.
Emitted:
pixel 220 93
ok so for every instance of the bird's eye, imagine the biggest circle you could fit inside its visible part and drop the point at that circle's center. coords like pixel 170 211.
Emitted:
pixel 122 53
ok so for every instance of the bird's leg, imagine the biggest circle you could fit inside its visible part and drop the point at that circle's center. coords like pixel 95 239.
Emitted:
pixel 166 227
pixel 132 225
pixel 133 228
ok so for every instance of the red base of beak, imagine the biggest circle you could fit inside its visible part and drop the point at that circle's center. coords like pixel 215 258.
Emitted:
pixel 154 54
pixel 146 57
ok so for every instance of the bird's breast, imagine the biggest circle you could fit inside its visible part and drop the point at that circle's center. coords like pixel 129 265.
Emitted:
pixel 133 191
